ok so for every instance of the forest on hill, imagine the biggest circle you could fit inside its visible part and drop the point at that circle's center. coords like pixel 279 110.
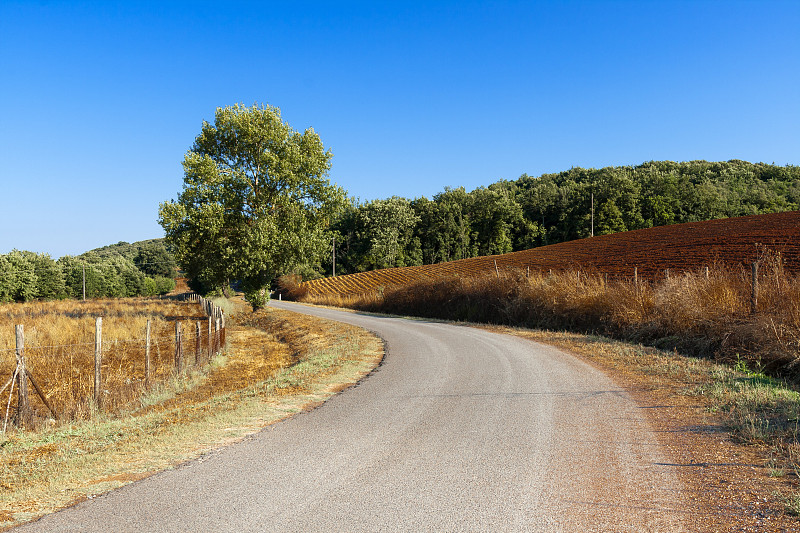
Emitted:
pixel 144 268
pixel 531 211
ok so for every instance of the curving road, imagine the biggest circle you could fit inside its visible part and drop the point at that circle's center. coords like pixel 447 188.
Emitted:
pixel 459 430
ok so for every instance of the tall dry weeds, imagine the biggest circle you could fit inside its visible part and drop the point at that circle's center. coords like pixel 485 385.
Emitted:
pixel 291 287
pixel 705 313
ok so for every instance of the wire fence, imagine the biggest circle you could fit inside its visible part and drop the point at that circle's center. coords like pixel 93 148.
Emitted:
pixel 105 371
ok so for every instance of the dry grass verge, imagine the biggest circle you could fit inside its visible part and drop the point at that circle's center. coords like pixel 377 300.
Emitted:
pixel 276 363
pixel 700 313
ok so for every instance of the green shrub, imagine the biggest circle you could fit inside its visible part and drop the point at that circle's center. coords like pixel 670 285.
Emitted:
pixel 50 278
pixel 257 298
pixel 164 285
pixel 150 286
pixel 154 260
pixel 21 279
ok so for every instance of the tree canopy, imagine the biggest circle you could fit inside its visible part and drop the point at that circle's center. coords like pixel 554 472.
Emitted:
pixel 256 201
pixel 154 259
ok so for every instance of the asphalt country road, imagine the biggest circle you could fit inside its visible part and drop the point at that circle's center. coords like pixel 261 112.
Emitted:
pixel 458 430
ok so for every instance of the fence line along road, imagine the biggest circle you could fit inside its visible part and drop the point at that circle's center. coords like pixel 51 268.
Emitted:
pixel 21 375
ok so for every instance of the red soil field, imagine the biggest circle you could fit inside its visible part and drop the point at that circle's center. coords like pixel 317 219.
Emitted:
pixel 678 248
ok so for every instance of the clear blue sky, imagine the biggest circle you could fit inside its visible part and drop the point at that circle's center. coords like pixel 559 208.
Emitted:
pixel 99 101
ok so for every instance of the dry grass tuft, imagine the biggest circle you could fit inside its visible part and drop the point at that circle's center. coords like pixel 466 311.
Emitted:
pixel 291 287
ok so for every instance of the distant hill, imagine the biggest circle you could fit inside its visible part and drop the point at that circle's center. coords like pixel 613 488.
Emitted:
pixel 151 256
pixel 128 250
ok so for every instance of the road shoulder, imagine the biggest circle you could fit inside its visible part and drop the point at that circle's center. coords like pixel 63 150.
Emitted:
pixel 730 482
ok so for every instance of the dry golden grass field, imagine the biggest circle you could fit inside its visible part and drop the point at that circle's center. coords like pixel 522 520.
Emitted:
pixel 693 291
pixel 59 347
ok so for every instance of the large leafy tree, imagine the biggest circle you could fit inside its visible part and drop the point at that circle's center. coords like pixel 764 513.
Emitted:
pixel 387 228
pixel 495 214
pixel 256 201
pixel 445 228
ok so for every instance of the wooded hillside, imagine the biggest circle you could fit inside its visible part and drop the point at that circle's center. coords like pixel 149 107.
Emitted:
pixel 531 211
pixel 118 270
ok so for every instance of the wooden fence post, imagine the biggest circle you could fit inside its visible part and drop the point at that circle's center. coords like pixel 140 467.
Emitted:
pixel 147 356
pixel 222 328
pixel 210 341
pixel 706 269
pixel 216 336
pixel 754 287
pixel 198 345
pixel 23 405
pixel 496 269
pixel 98 359
pixel 178 348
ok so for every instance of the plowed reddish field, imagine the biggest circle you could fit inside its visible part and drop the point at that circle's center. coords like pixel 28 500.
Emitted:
pixel 651 251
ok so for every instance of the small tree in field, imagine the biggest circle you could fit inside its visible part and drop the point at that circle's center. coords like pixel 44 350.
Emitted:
pixel 256 201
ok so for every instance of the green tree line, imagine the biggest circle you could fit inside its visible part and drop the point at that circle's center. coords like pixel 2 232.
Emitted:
pixel 536 211
pixel 116 271
pixel 257 204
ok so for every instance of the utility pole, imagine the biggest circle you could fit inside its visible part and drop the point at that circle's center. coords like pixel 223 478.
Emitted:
pixel 592 214
pixel 334 256
pixel 84 281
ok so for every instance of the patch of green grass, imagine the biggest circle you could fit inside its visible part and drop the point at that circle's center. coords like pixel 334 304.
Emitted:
pixel 792 503
pixel 758 408
pixel 190 378
pixel 316 363
pixel 228 306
